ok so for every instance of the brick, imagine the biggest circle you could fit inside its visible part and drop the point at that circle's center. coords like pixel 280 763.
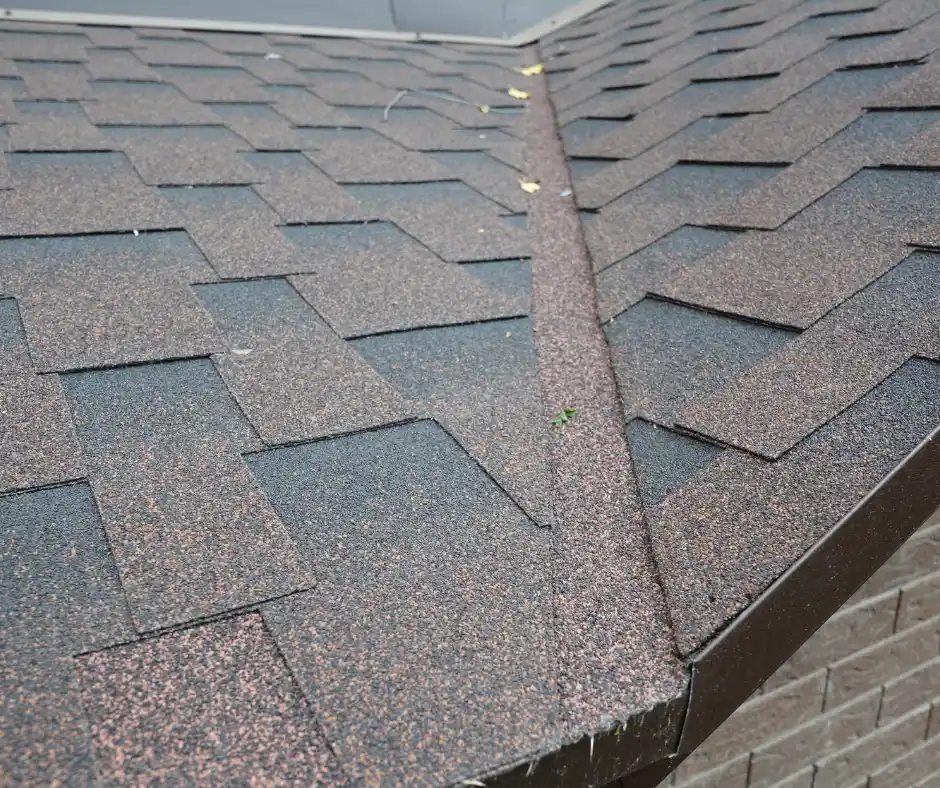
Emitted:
pixel 917 557
pixel 848 631
pixel 759 719
pixel 881 662
pixel 802 779
pixel 884 744
pixel 920 601
pixel 910 690
pixel 819 737
pixel 918 764
pixel 729 775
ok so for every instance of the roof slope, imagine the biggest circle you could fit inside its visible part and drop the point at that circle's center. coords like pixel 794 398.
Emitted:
pixel 292 491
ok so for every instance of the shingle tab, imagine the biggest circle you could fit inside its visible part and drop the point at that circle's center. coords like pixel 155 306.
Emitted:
pixel 727 553
pixel 61 596
pixel 432 606
pixel 37 441
pixel 94 301
pixel 236 231
pixel 667 356
pixel 455 222
pixel 832 249
pixel 79 193
pixel 372 278
pixel 214 703
pixel 789 394
pixel 481 382
pixel 293 377
pixel 191 532
pixel 145 104
pixel 302 194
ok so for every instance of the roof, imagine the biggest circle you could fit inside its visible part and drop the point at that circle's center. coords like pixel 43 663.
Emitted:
pixel 332 455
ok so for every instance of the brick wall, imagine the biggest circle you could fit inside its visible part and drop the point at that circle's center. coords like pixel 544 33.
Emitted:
pixel 857 707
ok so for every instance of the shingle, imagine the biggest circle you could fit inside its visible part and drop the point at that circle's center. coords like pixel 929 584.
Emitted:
pixel 293 377
pixel 664 460
pixel 784 133
pixel 119 65
pixel 789 394
pixel 236 231
pixel 832 249
pixel 37 440
pixel 66 194
pixel 301 194
pixel 272 72
pixel 191 532
pixel 488 176
pixel 621 176
pixel 39 46
pixel 188 160
pixel 214 703
pixel 713 539
pixel 628 280
pixel 180 53
pixel 14 355
pixel 109 37
pixel 663 204
pixel 376 162
pixel 667 116
pixel 302 108
pixel 236 43
pixel 145 104
pixel 61 597
pixel 57 134
pixel 57 84
pixel 512 277
pixel 481 383
pixel 92 301
pixel 372 278
pixel 667 356
pixel 418 129
pixel 874 138
pixel 455 222
pixel 215 84
pixel 432 607
pixel 771 57
pixel 260 126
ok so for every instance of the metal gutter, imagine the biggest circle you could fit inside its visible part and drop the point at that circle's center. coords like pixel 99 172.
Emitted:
pixel 527 36
pixel 733 665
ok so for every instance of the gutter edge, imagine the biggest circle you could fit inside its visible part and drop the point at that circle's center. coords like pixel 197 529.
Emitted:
pixel 527 36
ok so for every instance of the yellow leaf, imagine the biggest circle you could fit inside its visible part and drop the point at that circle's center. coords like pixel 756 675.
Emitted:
pixel 484 108
pixel 517 94
pixel 529 186
pixel 531 71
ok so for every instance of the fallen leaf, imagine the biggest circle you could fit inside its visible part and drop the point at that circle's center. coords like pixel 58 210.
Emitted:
pixel 564 417
pixel 517 94
pixel 531 71
pixel 531 187
pixel 484 108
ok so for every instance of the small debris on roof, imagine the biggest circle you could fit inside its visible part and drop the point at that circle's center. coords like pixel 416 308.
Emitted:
pixel 531 71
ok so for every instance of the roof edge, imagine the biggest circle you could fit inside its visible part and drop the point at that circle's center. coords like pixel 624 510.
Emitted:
pixel 527 36
pixel 732 666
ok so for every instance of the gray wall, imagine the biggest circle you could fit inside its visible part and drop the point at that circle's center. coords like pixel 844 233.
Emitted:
pixel 857 707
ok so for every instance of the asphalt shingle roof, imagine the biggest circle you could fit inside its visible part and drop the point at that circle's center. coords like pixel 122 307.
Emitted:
pixel 288 494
